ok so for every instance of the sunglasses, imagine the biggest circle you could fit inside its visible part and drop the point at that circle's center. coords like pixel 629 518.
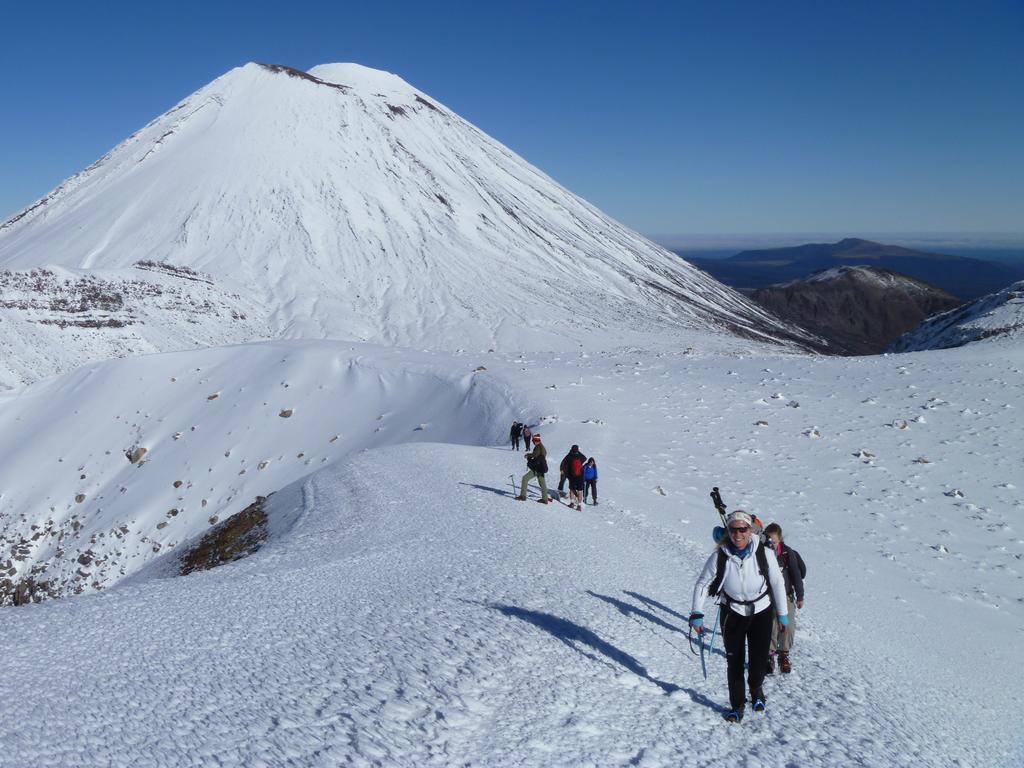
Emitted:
pixel 738 529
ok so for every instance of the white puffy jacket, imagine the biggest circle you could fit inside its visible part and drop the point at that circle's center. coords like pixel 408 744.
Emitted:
pixel 743 581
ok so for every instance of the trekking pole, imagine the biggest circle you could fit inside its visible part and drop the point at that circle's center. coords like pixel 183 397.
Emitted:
pixel 512 479
pixel 711 645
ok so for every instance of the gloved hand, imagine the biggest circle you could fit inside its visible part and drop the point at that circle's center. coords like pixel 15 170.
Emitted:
pixel 783 623
pixel 697 621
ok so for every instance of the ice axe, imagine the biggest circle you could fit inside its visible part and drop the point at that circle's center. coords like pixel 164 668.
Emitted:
pixel 716 497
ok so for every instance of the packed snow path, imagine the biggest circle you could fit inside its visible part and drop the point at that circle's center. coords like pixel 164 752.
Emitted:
pixel 435 622
pixel 415 614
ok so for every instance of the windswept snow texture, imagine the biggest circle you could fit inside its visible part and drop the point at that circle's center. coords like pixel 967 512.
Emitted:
pixel 354 207
pixel 406 611
pixel 998 318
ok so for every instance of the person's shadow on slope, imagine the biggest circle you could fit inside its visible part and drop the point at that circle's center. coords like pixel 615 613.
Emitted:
pixel 580 639
pixel 626 609
pixel 490 489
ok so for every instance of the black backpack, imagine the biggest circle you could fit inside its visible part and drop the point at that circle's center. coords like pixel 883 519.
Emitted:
pixel 537 463
pixel 800 562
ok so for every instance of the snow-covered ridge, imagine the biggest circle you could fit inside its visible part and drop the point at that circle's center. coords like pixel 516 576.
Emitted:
pixel 998 317
pixel 879 276
pixel 56 319
pixel 353 206
pixel 82 507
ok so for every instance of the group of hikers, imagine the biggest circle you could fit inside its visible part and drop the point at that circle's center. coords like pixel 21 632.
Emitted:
pixel 759 584
pixel 755 577
pixel 575 469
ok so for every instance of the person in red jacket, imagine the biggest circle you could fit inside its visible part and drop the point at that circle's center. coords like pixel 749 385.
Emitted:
pixel 572 469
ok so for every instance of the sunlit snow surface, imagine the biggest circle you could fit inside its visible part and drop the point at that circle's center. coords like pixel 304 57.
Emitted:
pixel 407 611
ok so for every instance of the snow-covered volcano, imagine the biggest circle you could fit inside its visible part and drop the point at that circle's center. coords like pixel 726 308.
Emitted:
pixel 353 206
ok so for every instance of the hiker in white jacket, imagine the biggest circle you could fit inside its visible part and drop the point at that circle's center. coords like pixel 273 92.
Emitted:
pixel 748 586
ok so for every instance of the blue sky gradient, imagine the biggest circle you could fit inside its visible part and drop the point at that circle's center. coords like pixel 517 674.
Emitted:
pixel 683 117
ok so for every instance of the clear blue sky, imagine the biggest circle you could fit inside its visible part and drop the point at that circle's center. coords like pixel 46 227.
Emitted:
pixel 675 117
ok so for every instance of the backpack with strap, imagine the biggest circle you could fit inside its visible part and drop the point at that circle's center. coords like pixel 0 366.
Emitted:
pixel 800 562
pixel 715 588
pixel 537 463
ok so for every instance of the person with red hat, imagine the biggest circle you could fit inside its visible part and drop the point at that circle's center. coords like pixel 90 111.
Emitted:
pixel 537 467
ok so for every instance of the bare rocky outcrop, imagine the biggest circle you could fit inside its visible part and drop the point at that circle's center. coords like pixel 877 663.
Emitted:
pixel 240 535
pixel 860 310
pixel 55 319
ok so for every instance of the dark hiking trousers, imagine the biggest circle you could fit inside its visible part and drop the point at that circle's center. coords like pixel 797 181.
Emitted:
pixel 592 489
pixel 755 632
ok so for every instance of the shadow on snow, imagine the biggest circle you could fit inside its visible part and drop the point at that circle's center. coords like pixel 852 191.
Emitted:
pixel 587 643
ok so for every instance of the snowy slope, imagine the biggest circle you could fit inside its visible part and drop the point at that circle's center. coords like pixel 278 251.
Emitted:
pixel 998 317
pixel 219 427
pixel 352 206
pixel 408 612
pixel 54 320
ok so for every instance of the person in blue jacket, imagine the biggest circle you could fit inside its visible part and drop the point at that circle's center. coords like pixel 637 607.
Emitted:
pixel 590 479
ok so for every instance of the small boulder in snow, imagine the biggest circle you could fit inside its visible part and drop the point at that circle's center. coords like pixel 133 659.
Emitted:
pixel 135 454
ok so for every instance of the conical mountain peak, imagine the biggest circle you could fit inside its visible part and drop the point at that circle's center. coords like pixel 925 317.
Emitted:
pixel 352 206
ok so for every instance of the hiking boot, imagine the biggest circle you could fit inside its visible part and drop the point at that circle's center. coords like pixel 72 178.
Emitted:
pixel 770 669
pixel 543 501
pixel 520 498
pixel 758 704
pixel 784 666
pixel 733 715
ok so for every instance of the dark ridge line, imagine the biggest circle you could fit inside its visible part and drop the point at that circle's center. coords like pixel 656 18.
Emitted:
pixel 292 72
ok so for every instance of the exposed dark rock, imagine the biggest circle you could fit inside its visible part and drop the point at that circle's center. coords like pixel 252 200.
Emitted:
pixel 135 454
pixel 860 310
pixel 238 536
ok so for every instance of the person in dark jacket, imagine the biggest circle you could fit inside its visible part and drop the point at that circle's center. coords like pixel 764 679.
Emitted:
pixel 590 480
pixel 572 471
pixel 537 467
pixel 783 642
pixel 515 433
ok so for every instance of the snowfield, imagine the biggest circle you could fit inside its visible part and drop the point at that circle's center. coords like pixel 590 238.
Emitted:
pixel 349 293
pixel 407 611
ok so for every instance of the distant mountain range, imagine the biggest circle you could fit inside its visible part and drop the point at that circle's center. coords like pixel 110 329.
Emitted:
pixel 963 277
pixel 859 310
